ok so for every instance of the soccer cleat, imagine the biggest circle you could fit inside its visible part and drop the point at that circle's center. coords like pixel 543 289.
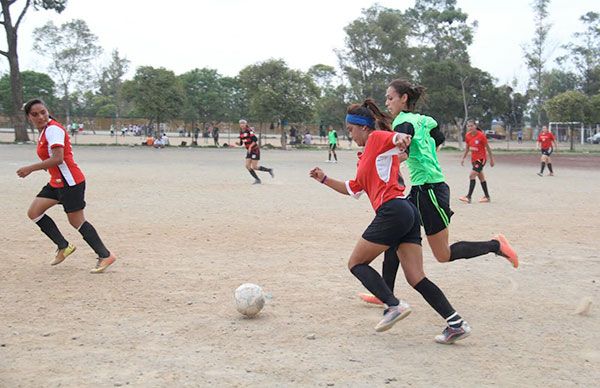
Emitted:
pixel 271 173
pixel 450 334
pixel 507 251
pixel 369 298
pixel 392 315
pixel 103 264
pixel 551 174
pixel 257 182
pixel 540 174
pixel 485 200
pixel 62 254
pixel 465 199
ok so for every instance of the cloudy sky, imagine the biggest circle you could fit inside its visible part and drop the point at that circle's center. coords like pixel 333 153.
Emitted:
pixel 228 35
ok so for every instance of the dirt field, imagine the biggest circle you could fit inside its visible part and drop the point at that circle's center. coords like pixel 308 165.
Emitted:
pixel 189 227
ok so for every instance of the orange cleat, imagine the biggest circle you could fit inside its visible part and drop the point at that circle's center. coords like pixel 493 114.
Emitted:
pixel 465 199
pixel 507 251
pixel 103 264
pixel 369 298
pixel 485 200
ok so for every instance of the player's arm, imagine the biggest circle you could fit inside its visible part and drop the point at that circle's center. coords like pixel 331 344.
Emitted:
pixel 489 151
pixel 554 144
pixel 467 149
pixel 319 175
pixel 438 136
pixel 57 158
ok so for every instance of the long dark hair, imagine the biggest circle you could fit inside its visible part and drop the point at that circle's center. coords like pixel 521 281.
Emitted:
pixel 414 92
pixel 27 106
pixel 370 110
pixel 474 122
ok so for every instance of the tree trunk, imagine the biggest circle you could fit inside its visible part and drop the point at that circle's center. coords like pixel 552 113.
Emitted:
pixel 16 85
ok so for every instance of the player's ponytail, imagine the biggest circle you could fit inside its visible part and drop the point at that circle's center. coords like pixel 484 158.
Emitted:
pixel 414 93
pixel 374 117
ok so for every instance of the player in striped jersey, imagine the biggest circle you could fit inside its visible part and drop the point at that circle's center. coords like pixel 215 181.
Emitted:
pixel 249 140
pixel 66 187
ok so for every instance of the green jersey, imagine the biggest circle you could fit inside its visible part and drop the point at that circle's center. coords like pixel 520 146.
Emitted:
pixel 332 137
pixel 422 161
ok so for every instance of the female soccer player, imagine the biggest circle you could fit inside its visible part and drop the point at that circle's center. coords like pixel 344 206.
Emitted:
pixel 429 193
pixel 477 144
pixel 66 186
pixel 250 141
pixel 396 223
pixel 332 136
pixel 547 142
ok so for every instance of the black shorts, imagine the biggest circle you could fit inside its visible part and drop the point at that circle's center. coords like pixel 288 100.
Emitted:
pixel 396 222
pixel 547 151
pixel 253 154
pixel 478 165
pixel 433 202
pixel 71 197
pixel 332 147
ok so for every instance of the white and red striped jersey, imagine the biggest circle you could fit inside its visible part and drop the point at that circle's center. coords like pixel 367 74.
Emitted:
pixel 377 171
pixel 67 173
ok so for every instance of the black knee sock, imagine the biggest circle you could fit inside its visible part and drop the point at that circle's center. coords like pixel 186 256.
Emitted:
pixel 253 173
pixel 469 249
pixel 471 187
pixel 436 299
pixel 485 189
pixel 391 263
pixel 543 166
pixel 50 229
pixel 550 168
pixel 374 283
pixel 261 168
pixel 91 237
pixel 335 156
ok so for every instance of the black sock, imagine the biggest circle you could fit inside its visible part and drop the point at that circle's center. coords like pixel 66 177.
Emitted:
pixel 391 263
pixel 374 283
pixel 50 229
pixel 543 166
pixel 436 299
pixel 261 168
pixel 329 157
pixel 485 190
pixel 469 249
pixel 253 173
pixel 550 168
pixel 335 156
pixel 471 187
pixel 91 237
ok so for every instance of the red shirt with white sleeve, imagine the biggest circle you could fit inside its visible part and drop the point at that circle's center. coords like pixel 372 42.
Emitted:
pixel 546 139
pixel 377 171
pixel 67 173
pixel 476 143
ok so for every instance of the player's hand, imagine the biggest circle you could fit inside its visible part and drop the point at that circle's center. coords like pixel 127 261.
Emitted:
pixel 24 171
pixel 402 141
pixel 317 174
pixel 492 163
pixel 402 156
pixel 462 162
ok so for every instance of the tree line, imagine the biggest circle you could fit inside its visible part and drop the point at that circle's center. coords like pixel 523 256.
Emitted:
pixel 427 44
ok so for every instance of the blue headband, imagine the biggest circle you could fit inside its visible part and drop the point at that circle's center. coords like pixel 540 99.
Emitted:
pixel 360 120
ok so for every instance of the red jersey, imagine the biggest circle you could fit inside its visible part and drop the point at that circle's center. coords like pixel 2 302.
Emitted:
pixel 53 136
pixel 248 137
pixel 476 143
pixel 377 171
pixel 546 139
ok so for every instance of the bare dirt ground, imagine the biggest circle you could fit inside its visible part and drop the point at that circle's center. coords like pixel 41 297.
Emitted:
pixel 188 228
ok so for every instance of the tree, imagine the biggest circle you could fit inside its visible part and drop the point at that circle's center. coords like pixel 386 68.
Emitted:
pixel 205 96
pixel 536 56
pixel 556 81
pixel 570 107
pixel 377 50
pixel 156 93
pixel 322 75
pixel 35 84
pixel 71 49
pixel 11 54
pixel 111 86
pixel 236 101
pixel 586 53
pixel 276 92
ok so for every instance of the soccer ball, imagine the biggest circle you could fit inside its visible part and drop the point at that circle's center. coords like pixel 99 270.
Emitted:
pixel 249 299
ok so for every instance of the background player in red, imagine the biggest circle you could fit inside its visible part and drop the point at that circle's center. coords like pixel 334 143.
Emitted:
pixel 249 140
pixel 396 223
pixel 477 144
pixel 547 142
pixel 66 187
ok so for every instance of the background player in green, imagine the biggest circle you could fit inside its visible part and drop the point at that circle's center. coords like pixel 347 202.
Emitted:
pixel 333 140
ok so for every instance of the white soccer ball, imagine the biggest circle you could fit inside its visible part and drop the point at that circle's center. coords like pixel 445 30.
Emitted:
pixel 249 299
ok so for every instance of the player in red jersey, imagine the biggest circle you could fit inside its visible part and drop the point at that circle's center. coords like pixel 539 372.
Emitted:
pixel 66 187
pixel 547 142
pixel 249 140
pixel 477 144
pixel 396 223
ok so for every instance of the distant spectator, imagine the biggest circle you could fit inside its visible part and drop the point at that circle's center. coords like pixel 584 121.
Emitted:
pixel 215 135
pixel 307 138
